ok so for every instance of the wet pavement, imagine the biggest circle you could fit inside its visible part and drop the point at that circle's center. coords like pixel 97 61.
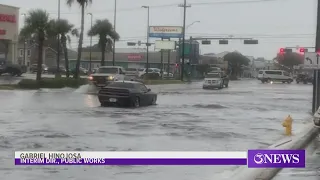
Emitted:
pixel 246 115
pixel 312 170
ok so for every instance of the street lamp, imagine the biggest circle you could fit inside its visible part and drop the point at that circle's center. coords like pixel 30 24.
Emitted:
pixel 148 29
pixel 114 27
pixel 90 45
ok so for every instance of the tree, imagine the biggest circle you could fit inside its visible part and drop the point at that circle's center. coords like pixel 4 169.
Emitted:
pixel 290 59
pixel 105 31
pixel 37 24
pixel 63 28
pixel 83 4
pixel 236 61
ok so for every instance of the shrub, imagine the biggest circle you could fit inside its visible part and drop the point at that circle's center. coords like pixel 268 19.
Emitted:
pixel 51 83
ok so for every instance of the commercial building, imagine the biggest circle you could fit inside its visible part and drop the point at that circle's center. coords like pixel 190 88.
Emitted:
pixel 9 32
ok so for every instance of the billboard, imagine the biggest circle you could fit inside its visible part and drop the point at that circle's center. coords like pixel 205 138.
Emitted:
pixel 165 45
pixel 165 31
pixel 134 57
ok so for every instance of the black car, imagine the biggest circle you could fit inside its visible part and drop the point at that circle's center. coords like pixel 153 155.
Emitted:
pixel 12 69
pixel 305 78
pixel 127 94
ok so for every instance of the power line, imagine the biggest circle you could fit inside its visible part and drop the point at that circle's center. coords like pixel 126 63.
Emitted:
pixel 172 5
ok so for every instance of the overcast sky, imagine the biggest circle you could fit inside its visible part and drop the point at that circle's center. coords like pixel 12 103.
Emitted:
pixel 275 23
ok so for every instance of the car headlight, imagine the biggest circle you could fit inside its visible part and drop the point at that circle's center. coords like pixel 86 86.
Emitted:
pixel 110 78
pixel 90 78
pixel 46 69
pixel 316 121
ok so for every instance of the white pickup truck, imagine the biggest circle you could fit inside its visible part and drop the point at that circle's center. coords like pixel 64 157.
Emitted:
pixel 107 74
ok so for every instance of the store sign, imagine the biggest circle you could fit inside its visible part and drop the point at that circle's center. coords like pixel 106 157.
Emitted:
pixel 3 32
pixel 134 57
pixel 8 18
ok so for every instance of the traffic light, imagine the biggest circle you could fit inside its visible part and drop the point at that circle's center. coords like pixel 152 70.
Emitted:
pixel 281 51
pixel 206 42
pixel 250 41
pixel 301 50
pixel 223 41
pixel 131 43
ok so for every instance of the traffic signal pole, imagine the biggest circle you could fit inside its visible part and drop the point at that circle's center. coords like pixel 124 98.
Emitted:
pixel 316 74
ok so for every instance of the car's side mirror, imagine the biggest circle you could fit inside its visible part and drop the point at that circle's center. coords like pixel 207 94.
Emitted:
pixel 149 90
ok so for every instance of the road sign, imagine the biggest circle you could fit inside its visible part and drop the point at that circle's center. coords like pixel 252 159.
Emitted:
pixel 311 60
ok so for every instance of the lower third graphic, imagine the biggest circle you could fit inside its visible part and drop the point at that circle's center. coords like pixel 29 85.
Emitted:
pixel 276 158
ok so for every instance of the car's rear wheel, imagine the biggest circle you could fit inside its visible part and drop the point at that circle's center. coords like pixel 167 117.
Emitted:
pixel 136 102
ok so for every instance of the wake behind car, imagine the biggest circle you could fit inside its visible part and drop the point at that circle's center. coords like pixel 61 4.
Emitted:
pixel 215 80
pixel 107 74
pixel 127 94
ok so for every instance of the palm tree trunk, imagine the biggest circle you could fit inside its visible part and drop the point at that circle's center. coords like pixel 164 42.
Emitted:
pixel 103 52
pixel 65 49
pixel 40 56
pixel 80 43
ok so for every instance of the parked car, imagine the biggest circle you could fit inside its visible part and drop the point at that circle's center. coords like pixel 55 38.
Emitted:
pixel 107 74
pixel 53 70
pixel 305 78
pixel 165 75
pixel 34 68
pixel 127 94
pixel 150 70
pixel 274 75
pixel 215 80
pixel 12 69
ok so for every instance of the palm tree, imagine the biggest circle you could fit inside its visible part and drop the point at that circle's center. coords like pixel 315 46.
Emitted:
pixel 83 4
pixel 63 28
pixel 37 24
pixel 105 31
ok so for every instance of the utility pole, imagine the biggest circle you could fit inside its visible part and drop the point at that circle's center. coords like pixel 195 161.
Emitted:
pixel 58 39
pixel 185 6
pixel 316 82
pixel 90 55
pixel 114 27
pixel 148 30
pixel 24 42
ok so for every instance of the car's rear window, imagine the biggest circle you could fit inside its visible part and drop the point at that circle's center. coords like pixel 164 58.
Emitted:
pixel 260 72
pixel 121 85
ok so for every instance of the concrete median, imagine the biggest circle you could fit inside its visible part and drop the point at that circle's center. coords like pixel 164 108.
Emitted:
pixel 298 141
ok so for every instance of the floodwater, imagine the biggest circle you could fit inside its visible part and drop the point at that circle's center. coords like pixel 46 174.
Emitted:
pixel 246 115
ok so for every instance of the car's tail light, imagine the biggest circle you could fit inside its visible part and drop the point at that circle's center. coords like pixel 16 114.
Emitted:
pixel 90 78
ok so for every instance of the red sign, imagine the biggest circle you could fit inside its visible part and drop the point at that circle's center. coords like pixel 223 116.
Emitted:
pixel 3 32
pixel 134 57
pixel 8 18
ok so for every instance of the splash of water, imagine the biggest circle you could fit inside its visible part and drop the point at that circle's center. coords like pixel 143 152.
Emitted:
pixel 87 89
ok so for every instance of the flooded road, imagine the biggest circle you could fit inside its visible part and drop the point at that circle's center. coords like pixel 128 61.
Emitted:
pixel 246 115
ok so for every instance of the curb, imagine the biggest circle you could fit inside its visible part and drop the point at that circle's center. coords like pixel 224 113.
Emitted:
pixel 298 142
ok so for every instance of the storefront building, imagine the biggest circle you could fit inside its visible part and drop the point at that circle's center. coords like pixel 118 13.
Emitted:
pixel 9 31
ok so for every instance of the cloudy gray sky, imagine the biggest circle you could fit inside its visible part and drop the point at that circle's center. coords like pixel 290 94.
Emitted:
pixel 275 23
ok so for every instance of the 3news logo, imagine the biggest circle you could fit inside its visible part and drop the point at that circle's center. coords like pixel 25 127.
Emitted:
pixel 276 158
